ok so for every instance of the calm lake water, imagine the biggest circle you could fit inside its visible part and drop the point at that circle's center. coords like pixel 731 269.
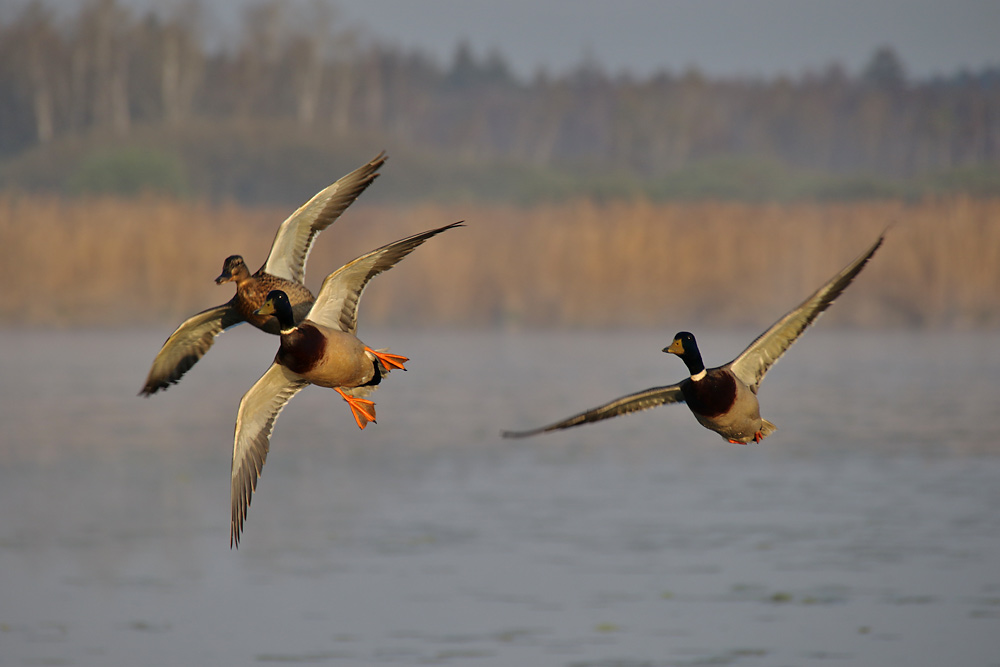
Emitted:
pixel 865 531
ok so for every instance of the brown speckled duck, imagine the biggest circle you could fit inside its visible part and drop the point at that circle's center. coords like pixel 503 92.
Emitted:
pixel 724 399
pixel 322 349
pixel 284 269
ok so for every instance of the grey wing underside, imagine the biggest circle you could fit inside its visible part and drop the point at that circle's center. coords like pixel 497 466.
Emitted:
pixel 643 400
pixel 258 411
pixel 336 304
pixel 187 345
pixel 291 245
pixel 753 363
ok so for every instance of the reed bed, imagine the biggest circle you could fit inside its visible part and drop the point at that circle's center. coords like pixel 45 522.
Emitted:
pixel 149 261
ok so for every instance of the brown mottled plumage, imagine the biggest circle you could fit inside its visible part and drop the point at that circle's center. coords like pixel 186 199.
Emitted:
pixel 252 290
pixel 322 349
pixel 284 269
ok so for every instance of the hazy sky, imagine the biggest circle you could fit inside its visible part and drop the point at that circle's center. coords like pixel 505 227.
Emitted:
pixel 721 37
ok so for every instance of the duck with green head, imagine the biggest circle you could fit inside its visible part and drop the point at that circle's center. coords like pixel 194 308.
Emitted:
pixel 323 349
pixel 329 357
pixel 724 399
pixel 284 269
pixel 719 400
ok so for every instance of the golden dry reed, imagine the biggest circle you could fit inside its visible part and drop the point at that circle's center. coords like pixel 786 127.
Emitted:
pixel 106 261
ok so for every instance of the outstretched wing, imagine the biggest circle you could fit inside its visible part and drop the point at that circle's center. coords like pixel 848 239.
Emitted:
pixel 258 411
pixel 292 243
pixel 643 400
pixel 187 345
pixel 753 363
pixel 336 304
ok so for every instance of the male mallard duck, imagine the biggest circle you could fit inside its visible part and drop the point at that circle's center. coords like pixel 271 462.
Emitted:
pixel 323 350
pixel 724 399
pixel 284 269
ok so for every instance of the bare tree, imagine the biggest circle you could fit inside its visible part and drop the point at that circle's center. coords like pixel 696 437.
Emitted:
pixel 181 61
pixel 260 52
pixel 103 42
pixel 372 91
pixel 36 36
pixel 307 53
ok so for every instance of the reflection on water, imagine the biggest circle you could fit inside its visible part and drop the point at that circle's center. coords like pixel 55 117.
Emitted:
pixel 866 531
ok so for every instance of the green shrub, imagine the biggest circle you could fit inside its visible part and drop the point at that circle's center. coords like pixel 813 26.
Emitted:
pixel 129 171
pixel 976 180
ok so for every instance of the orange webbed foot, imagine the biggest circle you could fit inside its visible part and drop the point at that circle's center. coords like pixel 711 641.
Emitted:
pixel 737 442
pixel 389 361
pixel 362 409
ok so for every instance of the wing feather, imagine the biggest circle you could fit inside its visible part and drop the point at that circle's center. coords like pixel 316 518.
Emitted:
pixel 642 400
pixel 291 245
pixel 753 363
pixel 186 345
pixel 258 411
pixel 336 304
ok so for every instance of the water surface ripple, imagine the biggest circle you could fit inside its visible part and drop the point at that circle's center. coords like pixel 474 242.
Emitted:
pixel 865 531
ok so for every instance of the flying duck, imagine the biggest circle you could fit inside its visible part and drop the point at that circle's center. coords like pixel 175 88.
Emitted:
pixel 284 269
pixel 724 399
pixel 322 349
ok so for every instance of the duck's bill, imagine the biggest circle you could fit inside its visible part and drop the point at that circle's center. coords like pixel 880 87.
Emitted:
pixel 675 347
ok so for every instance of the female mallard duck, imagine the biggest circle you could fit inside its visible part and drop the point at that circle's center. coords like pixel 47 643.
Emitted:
pixel 284 269
pixel 724 399
pixel 323 350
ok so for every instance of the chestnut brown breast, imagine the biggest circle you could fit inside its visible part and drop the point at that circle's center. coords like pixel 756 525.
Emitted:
pixel 302 349
pixel 712 396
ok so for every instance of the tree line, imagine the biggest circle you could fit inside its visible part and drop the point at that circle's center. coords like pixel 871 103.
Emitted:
pixel 107 68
